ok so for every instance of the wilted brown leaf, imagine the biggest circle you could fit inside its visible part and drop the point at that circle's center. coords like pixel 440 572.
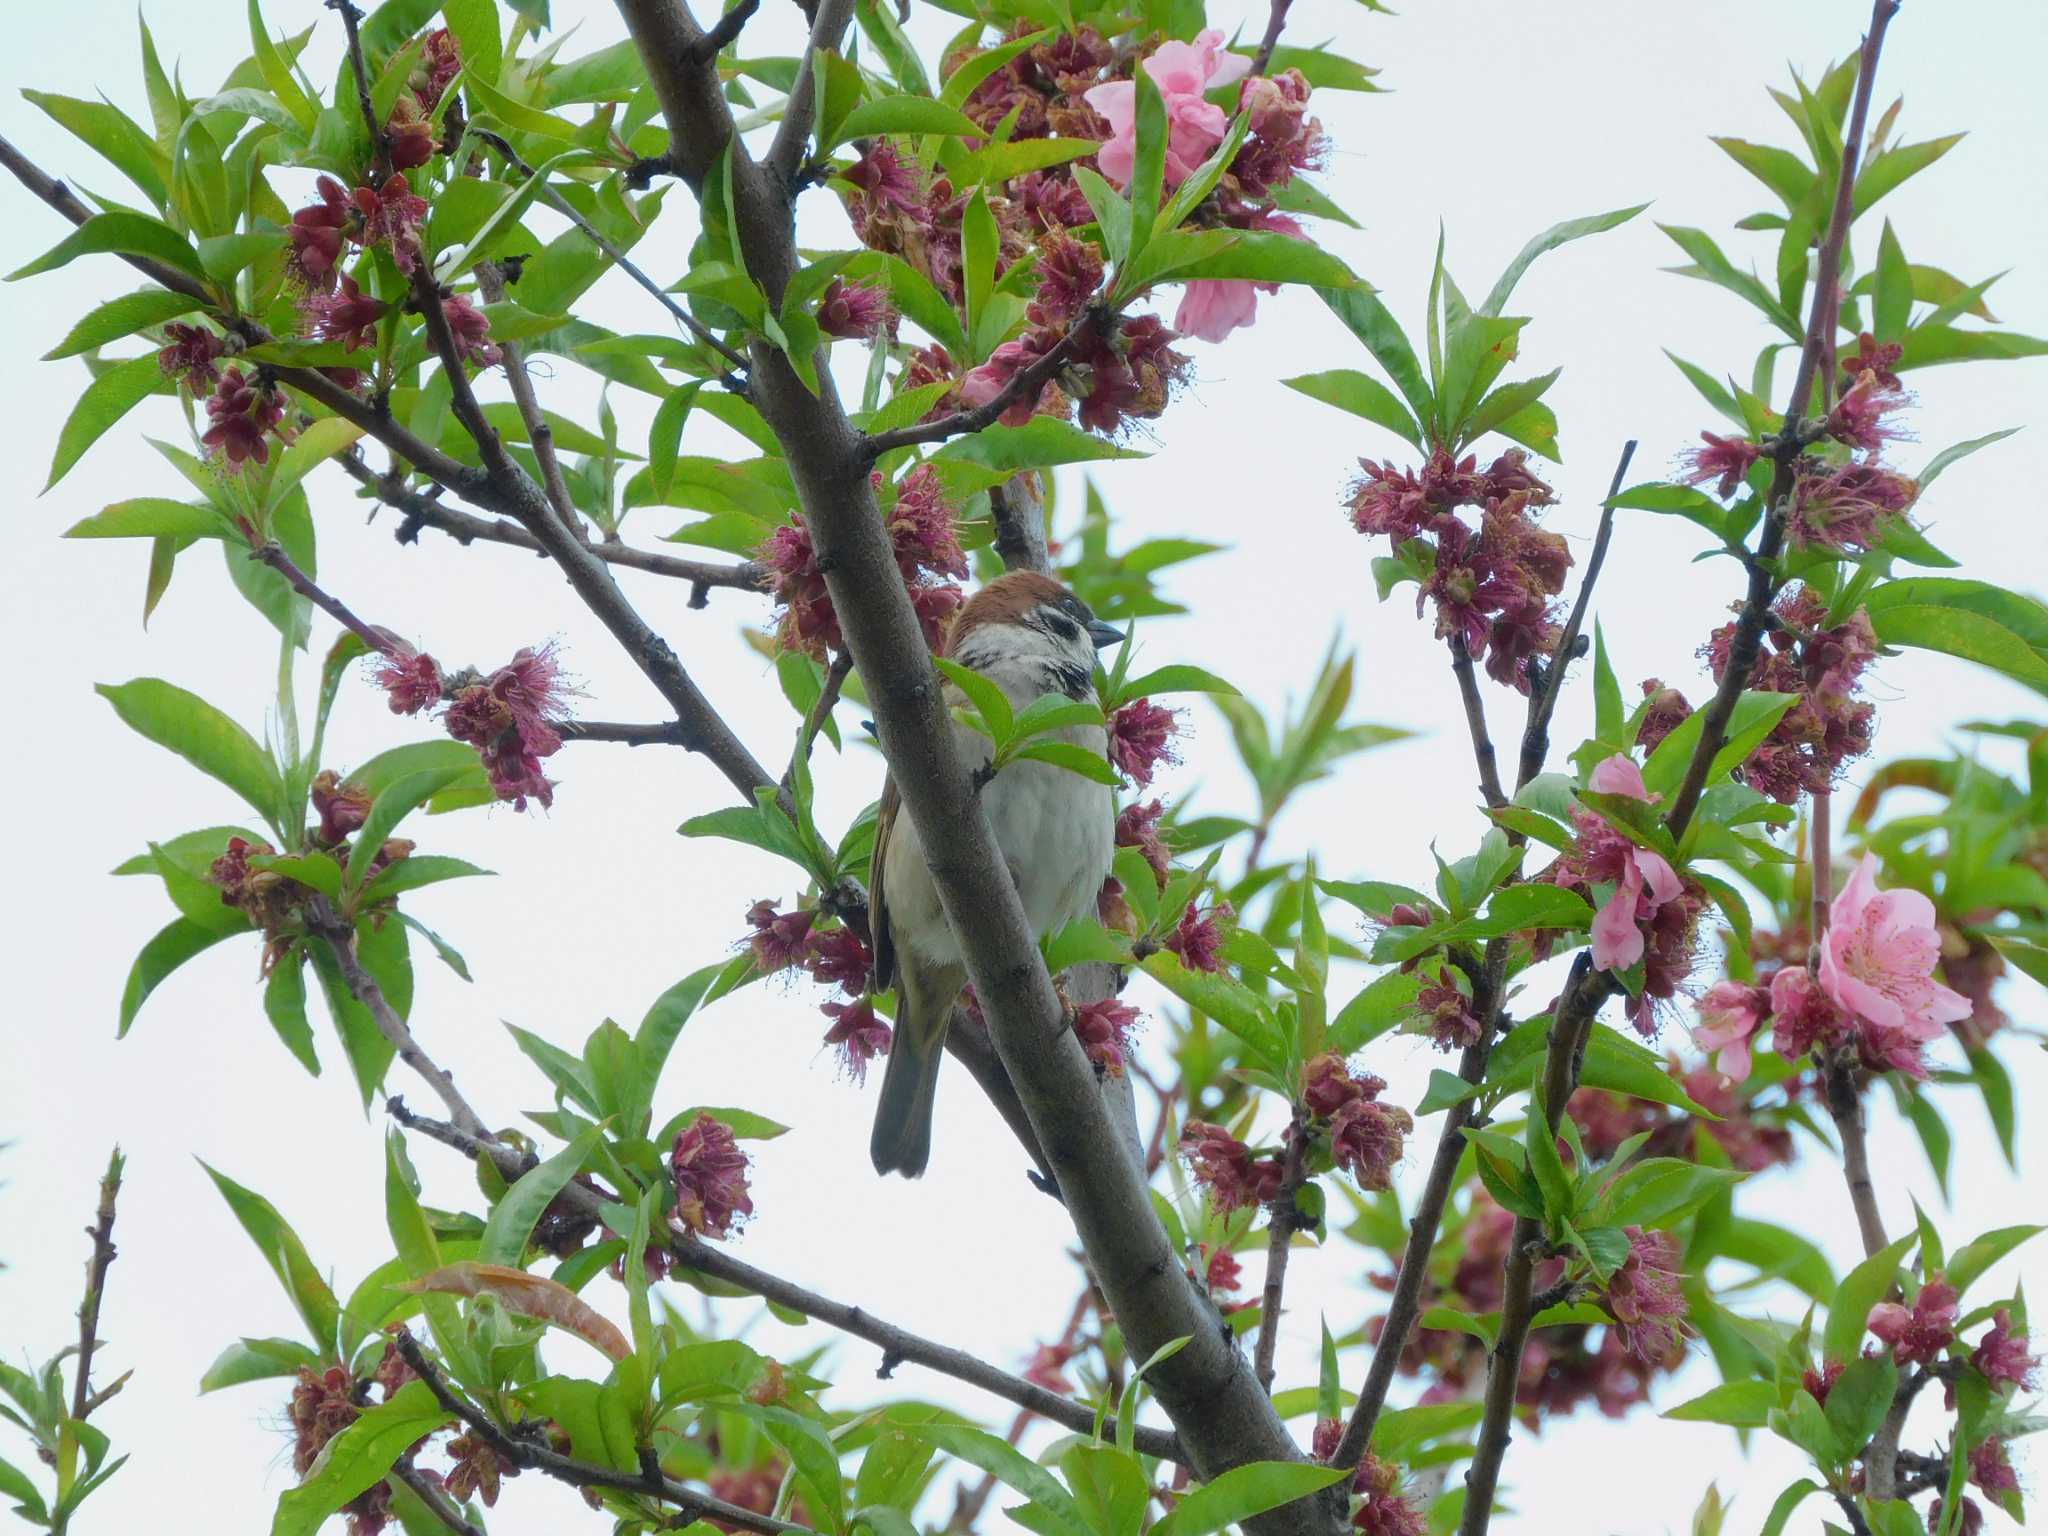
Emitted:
pixel 533 1296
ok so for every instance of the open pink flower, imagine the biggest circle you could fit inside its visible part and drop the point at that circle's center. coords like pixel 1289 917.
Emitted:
pixel 1183 72
pixel 1878 962
pixel 1729 1015
pixel 1647 879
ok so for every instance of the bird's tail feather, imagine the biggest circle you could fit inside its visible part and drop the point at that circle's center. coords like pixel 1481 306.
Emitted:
pixel 902 1139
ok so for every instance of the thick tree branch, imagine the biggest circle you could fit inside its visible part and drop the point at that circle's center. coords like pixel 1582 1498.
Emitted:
pixel 792 136
pixel 1820 331
pixel 1543 700
pixel 1017 507
pixel 83 1398
pixel 1223 1417
pixel 523 1451
pixel 1024 384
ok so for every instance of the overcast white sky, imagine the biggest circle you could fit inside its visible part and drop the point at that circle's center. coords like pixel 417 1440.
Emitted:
pixel 1503 119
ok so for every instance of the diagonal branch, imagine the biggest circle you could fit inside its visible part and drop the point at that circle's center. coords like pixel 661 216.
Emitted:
pixel 1820 331
pixel 1283 1221
pixel 83 1398
pixel 533 1453
pixel 726 30
pixel 1543 700
pixel 800 112
pixel 1475 722
pixel 1024 384
pixel 898 1345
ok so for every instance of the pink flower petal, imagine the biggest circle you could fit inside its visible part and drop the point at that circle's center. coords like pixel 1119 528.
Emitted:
pixel 1617 940
pixel 1618 775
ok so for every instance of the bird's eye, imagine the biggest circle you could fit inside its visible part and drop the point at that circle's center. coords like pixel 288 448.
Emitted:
pixel 1061 625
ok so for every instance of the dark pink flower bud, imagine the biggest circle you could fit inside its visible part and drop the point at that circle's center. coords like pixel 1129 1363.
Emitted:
pixel 1919 1333
pixel 921 528
pixel 470 328
pixel 1991 1469
pixel 935 606
pixel 838 957
pixel 1141 737
pixel 190 355
pixel 391 216
pixel 1198 937
pixel 243 412
pixel 856 311
pixel 2002 1356
pixel 710 1175
pixel 316 235
pixel 1821 1382
pixel 348 316
pixel 1225 1167
pixel 858 1034
pixel 1668 710
pixel 1802 1017
pixel 1723 460
pixel 410 135
pixel 1137 826
pixel 1644 1298
pixel 1104 1029
pixel 410 677
pixel 779 938
pixel 342 807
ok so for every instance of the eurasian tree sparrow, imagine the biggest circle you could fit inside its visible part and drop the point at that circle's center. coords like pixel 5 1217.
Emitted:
pixel 1030 636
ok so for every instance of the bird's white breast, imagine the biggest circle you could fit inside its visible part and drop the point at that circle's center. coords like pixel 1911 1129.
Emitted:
pixel 1055 829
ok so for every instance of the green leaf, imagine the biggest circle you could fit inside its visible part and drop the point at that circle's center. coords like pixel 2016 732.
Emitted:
pixel 1267 256
pixel 1361 395
pixel 512 1219
pixel 1948 456
pixel 106 400
pixel 1787 1505
pixel 1041 443
pixel 1755 714
pixel 984 694
pixel 122 317
pixel 1742 1404
pixel 319 442
pixel 1779 169
pixel 359 1458
pixel 172 946
pixel 1859 1399
pixel 1550 240
pixel 284 1004
pixel 248 1360
pixel 391 806
pixel 415 871
pixel 1109 1484
pixel 1661 1191
pixel 1369 320
pixel 1892 167
pixel 1245 1491
pixel 1973 620
pixel 905 114
pixel 123 233
pixel 1861 1289
pixel 1928 345
pixel 287 1257
pixel 1010 1466
pixel 199 733
pixel 118 139
pixel 1075 759
pixel 1148 171
pixel 150 517
pixel 1968 1263
pixel 1378 1007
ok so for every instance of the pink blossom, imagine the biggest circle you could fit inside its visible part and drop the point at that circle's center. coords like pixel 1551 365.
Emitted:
pixel 1619 775
pixel 1644 1296
pixel 838 957
pixel 1922 1331
pixel 710 1175
pixel 779 938
pixel 1141 738
pixel 1225 1166
pixel 470 329
pixel 1723 460
pixel 1198 937
pixel 1802 1017
pixel 1878 963
pixel 1105 1030
pixel 349 317
pixel 410 677
pixel 858 1033
pixel 1183 72
pixel 1647 880
pixel 1137 826
pixel 2002 1354
pixel 1452 1024
pixel 1048 1368
pixel 1729 1015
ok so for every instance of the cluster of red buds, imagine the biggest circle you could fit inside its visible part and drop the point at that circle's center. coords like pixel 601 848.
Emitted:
pixel 1381 1508
pixel 511 716
pixel 1365 1137
pixel 1494 586
pixel 709 1172
pixel 833 957
pixel 1142 739
pixel 928 557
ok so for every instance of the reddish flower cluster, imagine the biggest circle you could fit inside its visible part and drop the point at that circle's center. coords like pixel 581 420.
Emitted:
pixel 1221 1272
pixel 1493 588
pixel 1919 1334
pixel 1382 1509
pixel 834 957
pixel 1197 938
pixel 342 806
pixel 1141 737
pixel 1366 1137
pixel 477 1470
pixel 348 316
pixel 1104 1029
pixel 856 312
pixel 2002 1356
pixel 511 719
pixel 1226 1168
pixel 1137 826
pixel 1606 1120
pixel 1452 1024
pixel 1666 712
pixel 190 353
pixel 1048 1368
pixel 928 557
pixel 242 414
pixel 710 1175
pixel 1724 461
pixel 1643 1295
pixel 410 678
pixel 322 1406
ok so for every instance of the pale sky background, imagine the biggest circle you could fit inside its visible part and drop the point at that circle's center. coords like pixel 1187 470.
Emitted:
pixel 1503 119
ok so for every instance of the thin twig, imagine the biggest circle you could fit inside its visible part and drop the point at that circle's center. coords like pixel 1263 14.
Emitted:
pixel 380 143
pixel 340 938
pixel 429 1493
pixel 725 31
pixel 83 1399
pixel 539 435
pixel 650 1482
pixel 1475 721
pixel 1543 701
pixel 800 111
pixel 1024 384
pixel 1564 1051
pixel 619 259
pixel 898 1345
pixel 272 554
pixel 423 511
pixel 632 734
pixel 1276 22
pixel 820 711
pixel 1845 1104
pixel 1282 1222
pixel 1823 319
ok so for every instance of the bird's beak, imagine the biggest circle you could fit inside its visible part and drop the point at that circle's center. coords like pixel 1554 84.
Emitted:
pixel 1104 634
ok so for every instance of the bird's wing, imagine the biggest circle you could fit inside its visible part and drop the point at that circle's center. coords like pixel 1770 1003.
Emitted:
pixel 878 902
